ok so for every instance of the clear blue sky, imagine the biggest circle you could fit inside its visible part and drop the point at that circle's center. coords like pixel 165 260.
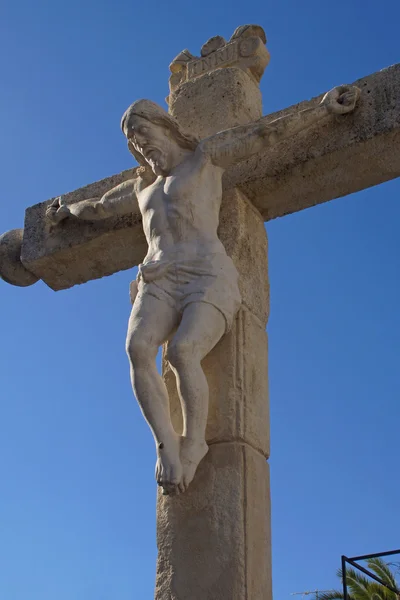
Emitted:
pixel 77 498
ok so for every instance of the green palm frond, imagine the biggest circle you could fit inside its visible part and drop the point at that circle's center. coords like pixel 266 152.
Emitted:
pixel 354 577
pixel 358 585
pixel 379 592
pixel 361 587
pixel 331 595
pixel 382 570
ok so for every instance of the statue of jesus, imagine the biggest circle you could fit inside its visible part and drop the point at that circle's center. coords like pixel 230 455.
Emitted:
pixel 186 291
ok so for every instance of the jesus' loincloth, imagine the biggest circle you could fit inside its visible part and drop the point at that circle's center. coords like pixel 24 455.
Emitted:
pixel 212 279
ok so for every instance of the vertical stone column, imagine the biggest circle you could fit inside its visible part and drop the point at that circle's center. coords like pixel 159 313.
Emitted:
pixel 214 541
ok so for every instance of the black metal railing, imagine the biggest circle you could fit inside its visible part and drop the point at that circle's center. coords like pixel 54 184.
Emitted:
pixel 352 561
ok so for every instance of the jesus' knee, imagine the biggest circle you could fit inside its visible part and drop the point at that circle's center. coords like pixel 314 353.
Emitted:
pixel 140 351
pixel 181 354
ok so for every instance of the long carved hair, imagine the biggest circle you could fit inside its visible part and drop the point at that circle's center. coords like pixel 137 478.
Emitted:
pixel 146 109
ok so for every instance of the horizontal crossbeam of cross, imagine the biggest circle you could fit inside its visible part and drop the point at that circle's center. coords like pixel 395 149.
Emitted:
pixel 343 155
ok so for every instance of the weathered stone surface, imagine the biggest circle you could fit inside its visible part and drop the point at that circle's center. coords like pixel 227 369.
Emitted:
pixel 242 232
pixel 347 155
pixel 214 541
pixel 11 268
pixel 241 102
pixel 212 45
pixel 245 50
pixel 237 375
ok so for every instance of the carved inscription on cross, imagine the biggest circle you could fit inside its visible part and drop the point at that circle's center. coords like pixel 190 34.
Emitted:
pixel 245 50
pixel 214 539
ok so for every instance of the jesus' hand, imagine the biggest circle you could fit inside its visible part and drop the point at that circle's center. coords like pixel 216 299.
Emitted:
pixel 57 211
pixel 341 99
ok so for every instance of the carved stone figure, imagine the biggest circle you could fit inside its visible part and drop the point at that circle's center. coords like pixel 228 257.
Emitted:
pixel 186 291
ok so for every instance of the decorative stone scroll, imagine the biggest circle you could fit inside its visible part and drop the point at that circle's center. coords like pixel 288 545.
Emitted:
pixel 245 50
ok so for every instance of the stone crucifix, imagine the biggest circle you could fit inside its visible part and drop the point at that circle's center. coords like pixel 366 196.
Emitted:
pixel 201 198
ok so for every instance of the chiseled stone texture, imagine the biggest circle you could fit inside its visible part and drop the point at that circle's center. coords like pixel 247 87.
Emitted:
pixel 214 541
pixel 231 98
pixel 11 268
pixel 325 162
pixel 245 50
pixel 346 154
pixel 242 232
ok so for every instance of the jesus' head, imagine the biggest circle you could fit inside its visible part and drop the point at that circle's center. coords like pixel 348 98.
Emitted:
pixel 154 137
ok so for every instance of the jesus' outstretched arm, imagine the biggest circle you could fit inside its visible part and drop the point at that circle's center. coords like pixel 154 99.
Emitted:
pixel 233 145
pixel 120 200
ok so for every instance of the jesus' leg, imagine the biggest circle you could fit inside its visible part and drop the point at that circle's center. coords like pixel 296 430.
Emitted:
pixel 201 328
pixel 150 325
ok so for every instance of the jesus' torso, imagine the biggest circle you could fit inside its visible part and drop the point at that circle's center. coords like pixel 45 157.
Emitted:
pixel 180 212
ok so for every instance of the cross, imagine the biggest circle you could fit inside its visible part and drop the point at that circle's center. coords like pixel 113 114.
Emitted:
pixel 214 541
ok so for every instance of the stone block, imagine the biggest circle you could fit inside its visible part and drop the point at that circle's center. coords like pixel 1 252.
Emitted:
pixel 242 232
pixel 232 98
pixel 214 540
pixel 245 50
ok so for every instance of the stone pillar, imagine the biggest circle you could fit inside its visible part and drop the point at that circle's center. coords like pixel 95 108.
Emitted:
pixel 214 541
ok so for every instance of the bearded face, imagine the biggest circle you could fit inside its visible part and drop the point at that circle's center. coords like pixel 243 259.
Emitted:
pixel 154 142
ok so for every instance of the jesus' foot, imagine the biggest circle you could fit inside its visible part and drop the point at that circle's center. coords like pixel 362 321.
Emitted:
pixel 192 452
pixel 169 467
